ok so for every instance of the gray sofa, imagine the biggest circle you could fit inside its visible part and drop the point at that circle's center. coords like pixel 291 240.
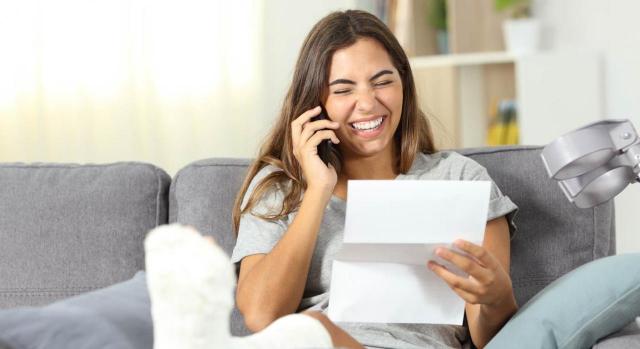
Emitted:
pixel 69 229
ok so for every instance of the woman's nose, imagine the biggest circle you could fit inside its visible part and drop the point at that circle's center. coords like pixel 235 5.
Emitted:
pixel 366 100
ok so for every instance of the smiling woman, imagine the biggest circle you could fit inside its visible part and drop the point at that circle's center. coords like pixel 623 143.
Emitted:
pixel 289 214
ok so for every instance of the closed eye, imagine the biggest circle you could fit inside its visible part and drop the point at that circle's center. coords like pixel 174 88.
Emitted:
pixel 382 83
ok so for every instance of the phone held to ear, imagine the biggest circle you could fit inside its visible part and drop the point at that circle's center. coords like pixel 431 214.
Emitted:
pixel 324 148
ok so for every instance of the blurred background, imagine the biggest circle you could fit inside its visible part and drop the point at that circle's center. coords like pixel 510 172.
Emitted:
pixel 169 82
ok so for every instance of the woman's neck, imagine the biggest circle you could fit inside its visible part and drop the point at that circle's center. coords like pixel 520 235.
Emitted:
pixel 368 168
pixel 364 168
pixel 378 166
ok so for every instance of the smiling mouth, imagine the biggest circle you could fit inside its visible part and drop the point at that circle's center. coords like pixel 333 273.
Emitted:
pixel 367 126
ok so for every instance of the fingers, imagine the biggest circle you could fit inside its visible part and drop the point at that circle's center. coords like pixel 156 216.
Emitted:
pixel 487 282
pixel 468 297
pixel 478 252
pixel 319 136
pixel 468 290
pixel 297 124
pixel 465 263
pixel 454 281
pixel 309 128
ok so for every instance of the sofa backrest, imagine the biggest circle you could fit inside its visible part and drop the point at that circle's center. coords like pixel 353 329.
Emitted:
pixel 553 236
pixel 67 229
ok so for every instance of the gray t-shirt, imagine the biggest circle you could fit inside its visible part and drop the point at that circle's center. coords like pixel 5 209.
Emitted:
pixel 257 236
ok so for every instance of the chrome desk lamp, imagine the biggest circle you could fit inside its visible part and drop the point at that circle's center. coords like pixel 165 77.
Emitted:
pixel 596 162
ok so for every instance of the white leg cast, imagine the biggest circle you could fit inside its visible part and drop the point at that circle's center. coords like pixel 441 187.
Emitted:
pixel 190 281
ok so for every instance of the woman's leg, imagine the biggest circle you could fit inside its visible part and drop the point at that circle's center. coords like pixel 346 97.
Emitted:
pixel 304 330
pixel 339 337
pixel 191 284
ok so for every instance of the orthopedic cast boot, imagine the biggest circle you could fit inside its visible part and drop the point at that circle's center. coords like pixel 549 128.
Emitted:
pixel 190 281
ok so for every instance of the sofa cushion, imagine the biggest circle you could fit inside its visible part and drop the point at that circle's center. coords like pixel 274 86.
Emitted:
pixel 66 229
pixel 628 337
pixel 202 195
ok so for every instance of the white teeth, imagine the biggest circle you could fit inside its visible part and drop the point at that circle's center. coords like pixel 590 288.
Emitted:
pixel 368 125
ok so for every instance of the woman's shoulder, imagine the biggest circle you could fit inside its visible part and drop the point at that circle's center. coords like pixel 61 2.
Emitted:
pixel 263 172
pixel 445 165
pixel 272 195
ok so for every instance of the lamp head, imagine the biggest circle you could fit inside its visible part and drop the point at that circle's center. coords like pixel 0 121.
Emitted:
pixel 594 163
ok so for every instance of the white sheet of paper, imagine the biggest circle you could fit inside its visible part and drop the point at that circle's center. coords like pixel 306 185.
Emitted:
pixel 392 229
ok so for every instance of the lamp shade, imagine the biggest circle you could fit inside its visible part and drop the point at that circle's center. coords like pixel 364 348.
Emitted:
pixel 594 163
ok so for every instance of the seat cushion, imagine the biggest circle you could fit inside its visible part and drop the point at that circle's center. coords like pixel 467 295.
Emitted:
pixel 628 337
pixel 66 229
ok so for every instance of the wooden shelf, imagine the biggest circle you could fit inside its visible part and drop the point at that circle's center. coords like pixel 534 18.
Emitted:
pixel 460 92
pixel 461 59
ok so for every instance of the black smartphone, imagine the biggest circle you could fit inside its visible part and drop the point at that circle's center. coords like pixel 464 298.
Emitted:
pixel 324 148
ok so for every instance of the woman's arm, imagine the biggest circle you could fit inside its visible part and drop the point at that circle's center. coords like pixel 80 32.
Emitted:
pixel 486 320
pixel 271 285
pixel 487 290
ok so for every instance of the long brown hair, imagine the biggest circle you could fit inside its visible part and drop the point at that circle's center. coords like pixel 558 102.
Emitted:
pixel 310 81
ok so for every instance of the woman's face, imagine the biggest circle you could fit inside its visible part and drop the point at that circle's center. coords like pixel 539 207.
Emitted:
pixel 365 97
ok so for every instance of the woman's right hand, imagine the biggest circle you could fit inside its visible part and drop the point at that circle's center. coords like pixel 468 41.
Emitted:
pixel 306 136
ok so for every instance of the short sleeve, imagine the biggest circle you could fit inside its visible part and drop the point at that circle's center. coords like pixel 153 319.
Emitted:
pixel 257 235
pixel 499 204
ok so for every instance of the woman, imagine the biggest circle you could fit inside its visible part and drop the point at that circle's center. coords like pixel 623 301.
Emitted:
pixel 289 214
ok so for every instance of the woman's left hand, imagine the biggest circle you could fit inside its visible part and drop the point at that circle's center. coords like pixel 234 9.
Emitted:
pixel 487 283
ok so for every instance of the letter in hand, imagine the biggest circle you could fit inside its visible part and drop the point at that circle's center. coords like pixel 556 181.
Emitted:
pixel 486 282
pixel 324 148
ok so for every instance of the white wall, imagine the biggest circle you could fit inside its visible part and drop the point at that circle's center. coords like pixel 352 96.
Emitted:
pixel 136 88
pixel 610 27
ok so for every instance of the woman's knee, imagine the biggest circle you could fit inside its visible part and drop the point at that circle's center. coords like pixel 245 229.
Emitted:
pixel 339 337
pixel 314 314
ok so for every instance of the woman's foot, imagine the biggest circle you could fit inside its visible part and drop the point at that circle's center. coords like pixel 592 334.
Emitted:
pixel 190 284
